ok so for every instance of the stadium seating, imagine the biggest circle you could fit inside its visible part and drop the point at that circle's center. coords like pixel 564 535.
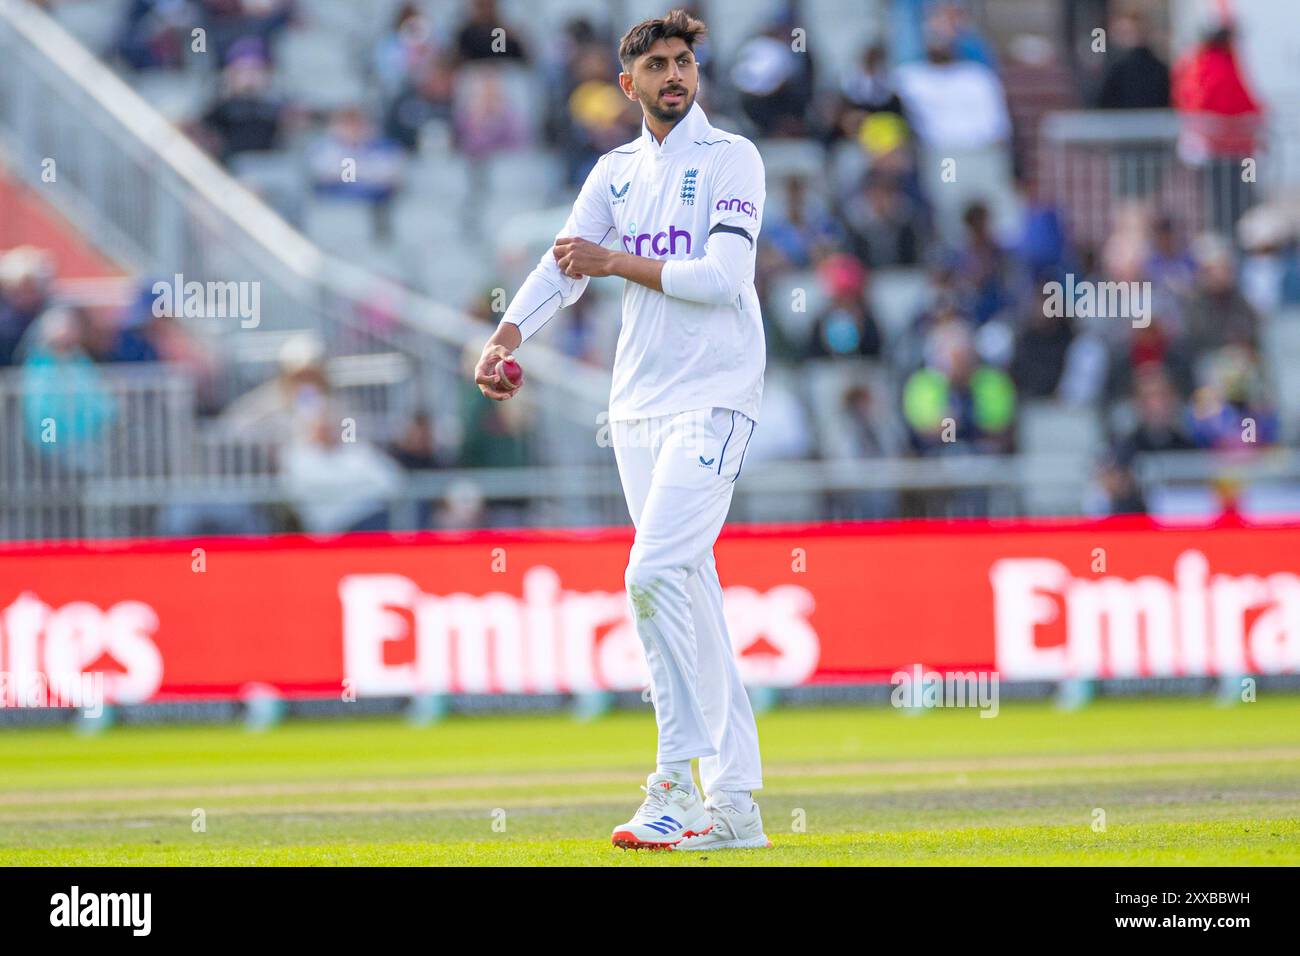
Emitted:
pixel 472 213
pixel 318 69
pixel 1281 350
pixel 1056 441
pixel 897 296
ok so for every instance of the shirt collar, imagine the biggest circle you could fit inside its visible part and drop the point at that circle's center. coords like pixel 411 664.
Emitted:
pixel 694 125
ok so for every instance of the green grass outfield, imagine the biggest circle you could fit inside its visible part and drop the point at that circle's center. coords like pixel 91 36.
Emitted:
pixel 1180 781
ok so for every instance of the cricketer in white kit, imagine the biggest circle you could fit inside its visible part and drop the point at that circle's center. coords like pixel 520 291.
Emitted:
pixel 676 212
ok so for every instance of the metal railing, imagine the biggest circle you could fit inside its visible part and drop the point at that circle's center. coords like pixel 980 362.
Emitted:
pixel 91 451
pixel 964 486
pixel 1090 161
pixel 65 426
pixel 579 496
pixel 258 500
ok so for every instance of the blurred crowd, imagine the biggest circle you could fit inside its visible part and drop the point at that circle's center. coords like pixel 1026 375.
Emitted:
pixel 980 341
pixel 60 350
pixel 987 340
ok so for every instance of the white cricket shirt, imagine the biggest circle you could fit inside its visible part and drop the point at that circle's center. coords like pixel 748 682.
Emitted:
pixel 696 200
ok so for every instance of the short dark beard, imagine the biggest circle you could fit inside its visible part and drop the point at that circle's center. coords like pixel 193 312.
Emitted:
pixel 651 106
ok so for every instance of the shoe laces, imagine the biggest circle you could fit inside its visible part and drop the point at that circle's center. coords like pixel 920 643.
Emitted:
pixel 721 817
pixel 656 801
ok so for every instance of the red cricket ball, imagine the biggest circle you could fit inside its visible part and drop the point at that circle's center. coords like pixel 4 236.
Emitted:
pixel 511 371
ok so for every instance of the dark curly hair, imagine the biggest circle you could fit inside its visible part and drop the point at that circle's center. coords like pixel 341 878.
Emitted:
pixel 676 23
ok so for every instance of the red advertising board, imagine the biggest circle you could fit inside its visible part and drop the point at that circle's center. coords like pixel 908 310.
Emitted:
pixel 544 611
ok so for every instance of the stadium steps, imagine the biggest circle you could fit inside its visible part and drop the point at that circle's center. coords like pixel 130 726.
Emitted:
pixel 94 22
pixel 435 141
pixel 179 96
pixel 417 223
pixel 340 226
pixel 847 165
pixel 796 324
pixel 784 433
pixel 436 179
pixel 525 176
pixel 317 69
pixel 455 274
pixel 1050 437
pixel 827 380
pixel 277 177
pixel 1281 350
pixel 1051 427
pixel 790 157
pixel 366 23
pixel 1033 91
pixel 898 295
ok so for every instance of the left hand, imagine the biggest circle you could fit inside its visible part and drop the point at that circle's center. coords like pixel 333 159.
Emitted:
pixel 581 257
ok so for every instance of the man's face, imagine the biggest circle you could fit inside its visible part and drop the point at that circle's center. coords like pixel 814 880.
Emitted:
pixel 664 80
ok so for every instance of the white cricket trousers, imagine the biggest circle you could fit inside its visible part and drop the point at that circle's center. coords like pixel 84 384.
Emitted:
pixel 678 473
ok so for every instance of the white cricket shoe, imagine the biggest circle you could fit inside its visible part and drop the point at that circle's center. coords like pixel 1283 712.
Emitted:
pixel 669 814
pixel 731 830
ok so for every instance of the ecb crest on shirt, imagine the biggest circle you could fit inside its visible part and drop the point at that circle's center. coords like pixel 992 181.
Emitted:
pixel 688 186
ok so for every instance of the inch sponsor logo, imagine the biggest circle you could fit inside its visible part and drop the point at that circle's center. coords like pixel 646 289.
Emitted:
pixel 736 205
pixel 662 243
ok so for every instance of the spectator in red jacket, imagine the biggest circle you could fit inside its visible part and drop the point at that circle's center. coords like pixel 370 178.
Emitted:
pixel 1209 80
pixel 1221 120
pixel 1221 112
